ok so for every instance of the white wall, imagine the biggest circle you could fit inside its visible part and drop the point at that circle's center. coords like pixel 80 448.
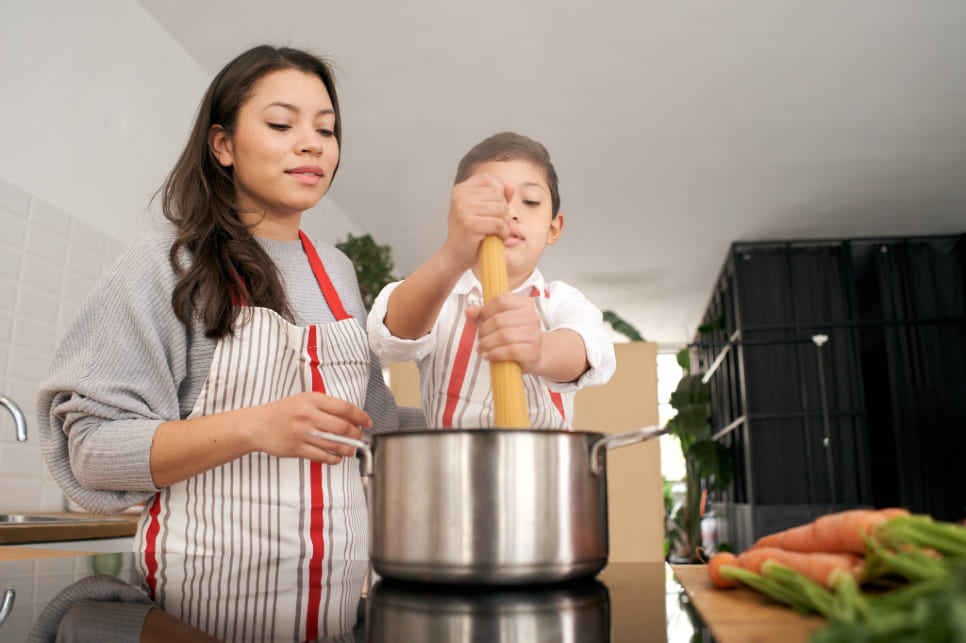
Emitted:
pixel 96 101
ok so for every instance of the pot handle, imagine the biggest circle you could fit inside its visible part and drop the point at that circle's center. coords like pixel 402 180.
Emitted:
pixel 621 440
pixel 352 442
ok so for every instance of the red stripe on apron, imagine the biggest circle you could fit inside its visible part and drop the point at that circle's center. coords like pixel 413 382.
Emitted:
pixel 316 514
pixel 557 400
pixel 459 372
pixel 150 560
pixel 316 528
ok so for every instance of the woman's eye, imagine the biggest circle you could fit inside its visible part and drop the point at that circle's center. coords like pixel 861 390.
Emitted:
pixel 279 126
pixel 326 132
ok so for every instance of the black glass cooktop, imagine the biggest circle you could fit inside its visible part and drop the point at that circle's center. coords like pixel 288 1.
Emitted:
pixel 114 597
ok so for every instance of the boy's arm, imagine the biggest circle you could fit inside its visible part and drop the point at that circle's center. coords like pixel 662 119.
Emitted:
pixel 563 356
pixel 415 303
pixel 568 309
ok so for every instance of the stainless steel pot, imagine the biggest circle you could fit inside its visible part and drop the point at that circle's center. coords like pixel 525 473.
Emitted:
pixel 577 612
pixel 489 506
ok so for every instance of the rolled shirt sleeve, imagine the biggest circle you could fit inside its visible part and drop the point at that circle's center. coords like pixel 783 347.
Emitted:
pixel 386 345
pixel 568 308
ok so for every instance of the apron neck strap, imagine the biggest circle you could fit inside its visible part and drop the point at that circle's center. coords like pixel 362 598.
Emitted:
pixel 321 276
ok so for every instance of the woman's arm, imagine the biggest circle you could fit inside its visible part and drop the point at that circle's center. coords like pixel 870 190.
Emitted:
pixel 184 448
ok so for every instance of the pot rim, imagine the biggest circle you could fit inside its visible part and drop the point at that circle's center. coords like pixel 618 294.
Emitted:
pixel 485 431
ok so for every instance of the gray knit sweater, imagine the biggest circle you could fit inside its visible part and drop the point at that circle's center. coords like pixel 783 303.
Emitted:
pixel 126 364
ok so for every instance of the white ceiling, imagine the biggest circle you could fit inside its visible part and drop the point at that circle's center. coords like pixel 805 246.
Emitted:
pixel 676 127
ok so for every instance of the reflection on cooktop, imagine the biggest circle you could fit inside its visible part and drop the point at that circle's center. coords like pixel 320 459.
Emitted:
pixel 117 597
pixel 578 611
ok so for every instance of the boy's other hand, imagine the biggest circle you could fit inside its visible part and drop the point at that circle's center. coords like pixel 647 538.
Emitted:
pixel 479 207
pixel 508 330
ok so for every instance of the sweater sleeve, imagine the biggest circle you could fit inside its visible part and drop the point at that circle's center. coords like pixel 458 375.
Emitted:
pixel 114 378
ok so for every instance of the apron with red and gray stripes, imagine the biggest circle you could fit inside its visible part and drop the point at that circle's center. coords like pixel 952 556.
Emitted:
pixel 203 542
pixel 459 390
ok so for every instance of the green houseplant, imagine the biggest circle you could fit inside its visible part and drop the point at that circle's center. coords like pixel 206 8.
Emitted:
pixel 373 264
pixel 708 464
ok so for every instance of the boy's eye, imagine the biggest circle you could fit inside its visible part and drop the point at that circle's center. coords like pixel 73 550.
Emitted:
pixel 279 126
pixel 530 203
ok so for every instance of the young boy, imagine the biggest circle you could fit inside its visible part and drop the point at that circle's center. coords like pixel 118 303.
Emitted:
pixel 505 186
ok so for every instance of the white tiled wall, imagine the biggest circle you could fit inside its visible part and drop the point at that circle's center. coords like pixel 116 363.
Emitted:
pixel 49 261
pixel 36 583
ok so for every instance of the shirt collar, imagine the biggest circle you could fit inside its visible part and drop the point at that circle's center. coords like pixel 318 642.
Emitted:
pixel 469 284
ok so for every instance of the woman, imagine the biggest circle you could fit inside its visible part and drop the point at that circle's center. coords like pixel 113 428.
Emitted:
pixel 196 371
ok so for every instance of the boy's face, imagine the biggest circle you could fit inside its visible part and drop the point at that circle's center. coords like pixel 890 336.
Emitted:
pixel 533 226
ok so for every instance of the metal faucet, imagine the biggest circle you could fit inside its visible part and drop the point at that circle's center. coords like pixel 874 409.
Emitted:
pixel 8 597
pixel 18 417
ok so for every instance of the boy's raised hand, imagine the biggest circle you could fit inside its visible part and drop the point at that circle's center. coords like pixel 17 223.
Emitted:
pixel 508 330
pixel 479 207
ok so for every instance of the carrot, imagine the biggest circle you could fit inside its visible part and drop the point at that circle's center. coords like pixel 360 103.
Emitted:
pixel 822 568
pixel 842 532
pixel 771 540
pixel 714 569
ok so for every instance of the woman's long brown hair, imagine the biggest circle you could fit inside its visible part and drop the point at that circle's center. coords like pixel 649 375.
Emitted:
pixel 227 265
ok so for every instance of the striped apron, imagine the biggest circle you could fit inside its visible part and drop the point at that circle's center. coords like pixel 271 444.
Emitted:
pixel 265 547
pixel 458 393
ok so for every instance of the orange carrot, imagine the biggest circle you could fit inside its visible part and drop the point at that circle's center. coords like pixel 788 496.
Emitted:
pixel 839 532
pixel 822 568
pixel 714 569
pixel 771 540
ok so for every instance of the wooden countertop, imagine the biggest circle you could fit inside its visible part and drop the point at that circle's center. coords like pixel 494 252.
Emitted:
pixel 114 527
pixel 740 615
pixel 12 552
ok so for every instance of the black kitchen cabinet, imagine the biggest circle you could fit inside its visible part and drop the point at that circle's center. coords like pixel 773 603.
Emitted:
pixel 838 378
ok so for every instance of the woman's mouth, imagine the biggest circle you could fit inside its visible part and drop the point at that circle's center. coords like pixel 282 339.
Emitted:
pixel 307 174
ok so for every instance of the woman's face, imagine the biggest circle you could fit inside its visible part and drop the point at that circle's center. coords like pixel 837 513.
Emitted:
pixel 283 151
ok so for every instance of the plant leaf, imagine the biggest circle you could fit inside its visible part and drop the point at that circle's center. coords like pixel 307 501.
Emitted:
pixel 714 463
pixel 373 265
pixel 622 327
pixel 684 359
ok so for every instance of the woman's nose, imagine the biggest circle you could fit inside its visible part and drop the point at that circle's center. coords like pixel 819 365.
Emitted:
pixel 311 147
pixel 312 143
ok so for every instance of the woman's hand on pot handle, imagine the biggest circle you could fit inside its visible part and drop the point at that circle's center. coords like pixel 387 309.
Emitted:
pixel 284 430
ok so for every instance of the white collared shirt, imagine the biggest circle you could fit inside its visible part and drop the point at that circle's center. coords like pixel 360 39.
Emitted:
pixel 455 380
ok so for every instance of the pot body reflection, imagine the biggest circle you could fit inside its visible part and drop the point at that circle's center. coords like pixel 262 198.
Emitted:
pixel 577 612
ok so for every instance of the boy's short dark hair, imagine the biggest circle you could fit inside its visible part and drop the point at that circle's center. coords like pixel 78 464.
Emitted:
pixel 509 146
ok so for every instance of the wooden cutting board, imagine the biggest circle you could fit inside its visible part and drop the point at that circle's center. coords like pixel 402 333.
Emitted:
pixel 740 615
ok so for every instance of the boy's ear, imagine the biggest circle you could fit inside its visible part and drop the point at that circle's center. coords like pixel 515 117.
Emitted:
pixel 220 144
pixel 556 227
